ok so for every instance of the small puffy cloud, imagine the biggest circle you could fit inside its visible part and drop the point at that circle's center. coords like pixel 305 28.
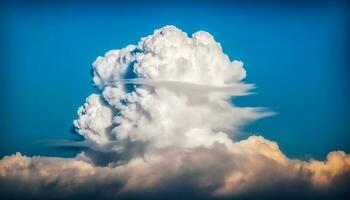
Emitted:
pixel 163 124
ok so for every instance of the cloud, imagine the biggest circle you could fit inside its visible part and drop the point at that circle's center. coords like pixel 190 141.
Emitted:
pixel 164 124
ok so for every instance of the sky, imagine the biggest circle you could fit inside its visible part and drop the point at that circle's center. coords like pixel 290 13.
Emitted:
pixel 190 101
pixel 295 53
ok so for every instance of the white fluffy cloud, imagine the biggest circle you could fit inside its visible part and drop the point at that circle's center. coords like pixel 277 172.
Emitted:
pixel 164 120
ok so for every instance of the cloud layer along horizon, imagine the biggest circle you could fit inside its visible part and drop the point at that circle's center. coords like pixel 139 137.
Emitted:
pixel 164 123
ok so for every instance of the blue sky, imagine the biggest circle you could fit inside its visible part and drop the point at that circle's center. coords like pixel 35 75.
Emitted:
pixel 295 53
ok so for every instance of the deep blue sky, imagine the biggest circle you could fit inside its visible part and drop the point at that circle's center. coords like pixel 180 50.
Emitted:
pixel 295 53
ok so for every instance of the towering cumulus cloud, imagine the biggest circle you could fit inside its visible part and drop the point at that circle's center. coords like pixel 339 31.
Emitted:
pixel 163 125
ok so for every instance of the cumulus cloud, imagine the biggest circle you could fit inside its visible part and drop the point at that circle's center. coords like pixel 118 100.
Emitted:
pixel 163 122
